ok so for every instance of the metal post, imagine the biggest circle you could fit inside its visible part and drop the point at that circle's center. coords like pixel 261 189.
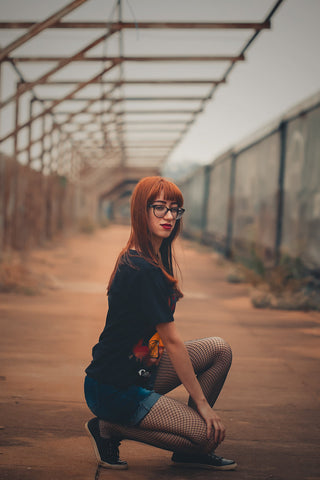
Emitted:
pixel 0 93
pixel 206 192
pixel 15 180
pixel 119 129
pixel 230 212
pixel 15 138
pixel 280 192
pixel 30 132
pixel 43 150
pixel 49 150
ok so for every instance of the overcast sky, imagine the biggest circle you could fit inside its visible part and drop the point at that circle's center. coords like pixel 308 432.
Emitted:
pixel 281 69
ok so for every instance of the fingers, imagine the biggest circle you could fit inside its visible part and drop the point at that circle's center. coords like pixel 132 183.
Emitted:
pixel 219 431
pixel 210 430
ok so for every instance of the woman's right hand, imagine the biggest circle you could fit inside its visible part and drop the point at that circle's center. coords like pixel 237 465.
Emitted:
pixel 215 427
pixel 182 364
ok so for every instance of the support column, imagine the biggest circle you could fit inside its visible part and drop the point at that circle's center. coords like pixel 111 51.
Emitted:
pixel 16 122
pixel 229 233
pixel 30 132
pixel 43 148
pixel 280 192
pixel 2 184
pixel 206 192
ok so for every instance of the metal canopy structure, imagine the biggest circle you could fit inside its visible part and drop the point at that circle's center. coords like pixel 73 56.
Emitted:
pixel 81 97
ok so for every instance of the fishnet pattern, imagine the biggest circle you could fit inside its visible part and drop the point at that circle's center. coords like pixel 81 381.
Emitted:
pixel 166 441
pixel 170 424
pixel 211 360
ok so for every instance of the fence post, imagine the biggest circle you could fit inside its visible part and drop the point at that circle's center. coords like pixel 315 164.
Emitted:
pixel 230 211
pixel 280 191
pixel 206 191
pixel 31 102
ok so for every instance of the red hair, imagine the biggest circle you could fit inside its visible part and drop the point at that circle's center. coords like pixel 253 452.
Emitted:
pixel 145 193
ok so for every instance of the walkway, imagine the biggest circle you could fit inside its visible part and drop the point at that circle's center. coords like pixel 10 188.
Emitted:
pixel 270 403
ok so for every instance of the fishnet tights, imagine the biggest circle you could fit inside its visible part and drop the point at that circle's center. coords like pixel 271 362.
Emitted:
pixel 170 424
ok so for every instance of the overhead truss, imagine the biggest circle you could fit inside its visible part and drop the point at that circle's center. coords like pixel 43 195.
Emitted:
pixel 78 130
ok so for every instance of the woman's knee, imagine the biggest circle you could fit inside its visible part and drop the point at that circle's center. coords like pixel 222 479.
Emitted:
pixel 222 348
pixel 206 446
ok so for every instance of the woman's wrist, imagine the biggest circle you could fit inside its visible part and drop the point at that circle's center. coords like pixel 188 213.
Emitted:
pixel 201 402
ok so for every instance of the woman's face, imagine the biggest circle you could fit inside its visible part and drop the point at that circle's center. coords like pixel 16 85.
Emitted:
pixel 161 228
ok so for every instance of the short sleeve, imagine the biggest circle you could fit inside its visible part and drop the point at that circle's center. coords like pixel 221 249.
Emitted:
pixel 154 296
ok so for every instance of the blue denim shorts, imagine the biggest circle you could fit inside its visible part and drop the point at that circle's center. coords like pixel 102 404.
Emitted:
pixel 127 406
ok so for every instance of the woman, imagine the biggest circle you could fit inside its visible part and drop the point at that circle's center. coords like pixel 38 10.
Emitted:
pixel 140 355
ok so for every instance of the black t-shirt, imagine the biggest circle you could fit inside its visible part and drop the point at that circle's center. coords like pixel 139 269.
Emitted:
pixel 129 348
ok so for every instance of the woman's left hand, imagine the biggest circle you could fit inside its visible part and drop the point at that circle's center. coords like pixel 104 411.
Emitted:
pixel 215 427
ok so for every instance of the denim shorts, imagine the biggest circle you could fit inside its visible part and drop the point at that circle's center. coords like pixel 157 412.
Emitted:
pixel 127 406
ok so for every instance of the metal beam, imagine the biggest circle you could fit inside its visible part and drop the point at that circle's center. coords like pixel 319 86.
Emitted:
pixel 55 104
pixel 63 63
pixel 171 58
pixel 134 99
pixel 232 65
pixel 37 28
pixel 147 25
pixel 143 112
pixel 140 82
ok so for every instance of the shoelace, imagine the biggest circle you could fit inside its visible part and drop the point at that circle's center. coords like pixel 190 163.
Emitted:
pixel 214 456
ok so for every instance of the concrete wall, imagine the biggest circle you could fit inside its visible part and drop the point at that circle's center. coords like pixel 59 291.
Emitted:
pixel 262 198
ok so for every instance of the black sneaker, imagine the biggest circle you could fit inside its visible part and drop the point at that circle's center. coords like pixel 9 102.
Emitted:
pixel 208 461
pixel 106 449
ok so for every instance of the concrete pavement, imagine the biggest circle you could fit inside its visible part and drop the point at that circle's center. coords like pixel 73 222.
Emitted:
pixel 270 402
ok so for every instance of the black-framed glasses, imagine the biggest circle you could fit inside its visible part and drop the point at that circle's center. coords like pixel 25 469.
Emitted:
pixel 162 210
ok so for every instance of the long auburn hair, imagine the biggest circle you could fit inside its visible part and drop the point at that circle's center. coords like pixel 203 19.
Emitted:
pixel 144 194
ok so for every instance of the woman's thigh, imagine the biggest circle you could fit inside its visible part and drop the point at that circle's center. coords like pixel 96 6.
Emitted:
pixel 203 353
pixel 171 416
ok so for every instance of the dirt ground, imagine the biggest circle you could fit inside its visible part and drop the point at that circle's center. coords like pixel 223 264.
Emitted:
pixel 270 402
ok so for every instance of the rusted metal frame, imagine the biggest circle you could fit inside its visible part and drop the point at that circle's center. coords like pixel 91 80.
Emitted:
pixel 53 148
pixel 89 104
pixel 39 27
pixel 57 102
pixel 147 25
pixel 59 151
pixel 147 147
pixel 84 111
pixel 141 82
pixel 88 136
pixel 156 122
pixel 119 132
pixel 63 63
pixel 136 122
pixel 50 148
pixel 154 130
pixel 81 124
pixel 16 122
pixel 180 58
pixel 28 148
pixel 62 149
pixel 21 90
pixel 143 112
pixel 148 157
pixel 134 99
pixel 232 65
pixel 0 111
pixel 43 139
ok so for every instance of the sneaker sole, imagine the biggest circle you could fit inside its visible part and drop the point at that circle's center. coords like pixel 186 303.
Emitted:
pixel 97 454
pixel 204 466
